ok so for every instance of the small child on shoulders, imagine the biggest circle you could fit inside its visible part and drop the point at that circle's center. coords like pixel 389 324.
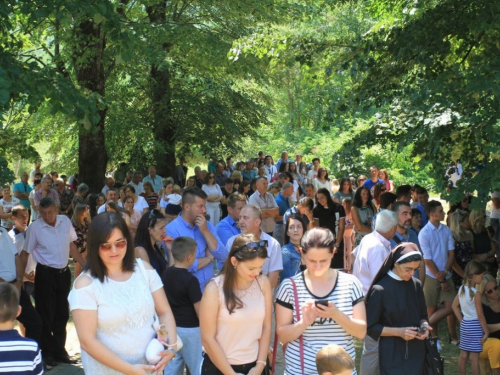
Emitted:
pixel 334 360
pixel 17 354
pixel 184 295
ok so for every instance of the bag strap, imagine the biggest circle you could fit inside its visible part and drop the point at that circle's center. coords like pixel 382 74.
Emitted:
pixel 297 314
pixel 301 340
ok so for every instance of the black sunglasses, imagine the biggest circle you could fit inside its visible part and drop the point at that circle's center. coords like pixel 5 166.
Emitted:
pixel 489 291
pixel 253 246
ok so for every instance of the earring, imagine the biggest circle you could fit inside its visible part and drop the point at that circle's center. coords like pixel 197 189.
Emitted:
pixel 234 267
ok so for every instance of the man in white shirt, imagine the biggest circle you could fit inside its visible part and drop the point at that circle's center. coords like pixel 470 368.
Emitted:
pixel 265 201
pixel 250 222
pixel 313 173
pixel 109 184
pixel 271 170
pixel 137 183
pixel 154 178
pixel 112 195
pixel 370 255
pixel 50 240
pixel 438 247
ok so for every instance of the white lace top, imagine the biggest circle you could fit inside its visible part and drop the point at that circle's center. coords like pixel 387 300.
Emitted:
pixel 125 314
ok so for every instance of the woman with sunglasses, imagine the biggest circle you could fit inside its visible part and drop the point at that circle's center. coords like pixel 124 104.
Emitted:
pixel 397 314
pixel 332 308
pixel 81 220
pixel 114 302
pixel 490 356
pixel 235 312
pixel 151 241
pixel 214 197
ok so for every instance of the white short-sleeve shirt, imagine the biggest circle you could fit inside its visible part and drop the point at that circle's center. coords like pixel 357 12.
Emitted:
pixel 50 244
pixel 8 254
pixel 274 261
pixel 435 244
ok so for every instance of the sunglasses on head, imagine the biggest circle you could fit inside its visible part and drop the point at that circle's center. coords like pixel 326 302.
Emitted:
pixel 119 245
pixel 253 246
pixel 494 289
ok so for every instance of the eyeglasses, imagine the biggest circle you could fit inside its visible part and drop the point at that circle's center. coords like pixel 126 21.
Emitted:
pixel 409 269
pixel 494 289
pixel 119 245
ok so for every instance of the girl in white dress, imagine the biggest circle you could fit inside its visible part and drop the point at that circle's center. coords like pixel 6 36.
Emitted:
pixel 114 302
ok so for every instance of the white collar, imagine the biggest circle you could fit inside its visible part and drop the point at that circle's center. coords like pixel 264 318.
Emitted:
pixel 394 276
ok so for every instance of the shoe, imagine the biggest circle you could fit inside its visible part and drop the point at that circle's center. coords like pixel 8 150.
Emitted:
pixel 66 359
pixel 454 341
pixel 49 363
pixel 438 345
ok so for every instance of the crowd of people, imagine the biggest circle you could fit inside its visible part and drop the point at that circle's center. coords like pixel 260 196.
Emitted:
pixel 239 269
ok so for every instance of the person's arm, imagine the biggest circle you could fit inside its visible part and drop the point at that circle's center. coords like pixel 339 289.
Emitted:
pixel 285 327
pixel 340 234
pixel 273 278
pixel 73 250
pixel 421 272
pixel 217 249
pixel 270 212
pixel 456 308
pixel 480 316
pixel 86 328
pixel 20 195
pixel 265 338
pixel 209 311
pixel 358 225
pixel 354 325
pixel 494 327
pixel 141 253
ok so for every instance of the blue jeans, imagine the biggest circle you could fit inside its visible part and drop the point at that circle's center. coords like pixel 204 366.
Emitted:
pixel 191 353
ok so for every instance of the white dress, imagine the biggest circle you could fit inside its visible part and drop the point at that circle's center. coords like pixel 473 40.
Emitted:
pixel 125 315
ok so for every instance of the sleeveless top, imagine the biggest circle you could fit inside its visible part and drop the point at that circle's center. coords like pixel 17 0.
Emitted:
pixel 238 334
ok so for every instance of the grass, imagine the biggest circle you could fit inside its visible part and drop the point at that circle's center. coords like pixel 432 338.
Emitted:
pixel 449 352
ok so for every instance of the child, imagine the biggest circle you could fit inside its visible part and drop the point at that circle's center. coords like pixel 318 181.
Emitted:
pixel 473 328
pixel 184 295
pixel 334 360
pixel 416 220
pixel 348 241
pixel 17 354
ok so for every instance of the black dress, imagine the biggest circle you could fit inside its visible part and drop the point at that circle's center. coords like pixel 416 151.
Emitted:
pixel 397 303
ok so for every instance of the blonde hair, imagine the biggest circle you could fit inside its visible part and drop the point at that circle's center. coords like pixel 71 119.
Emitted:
pixel 176 189
pixel 333 358
pixel 471 269
pixel 475 219
pixel 480 287
pixel 457 218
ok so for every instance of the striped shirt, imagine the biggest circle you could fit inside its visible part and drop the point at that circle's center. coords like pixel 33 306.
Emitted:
pixel 19 355
pixel 346 293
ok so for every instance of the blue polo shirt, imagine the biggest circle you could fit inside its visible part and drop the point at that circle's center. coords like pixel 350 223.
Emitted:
pixel 22 188
pixel 248 176
pixel 227 228
pixel 370 184
pixel 181 228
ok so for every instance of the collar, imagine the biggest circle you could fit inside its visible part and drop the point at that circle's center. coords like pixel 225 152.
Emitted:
pixel 382 239
pixel 184 222
pixel 58 221
pixel 401 236
pixel 394 276
pixel 231 221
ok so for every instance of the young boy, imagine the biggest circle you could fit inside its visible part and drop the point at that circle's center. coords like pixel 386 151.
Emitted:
pixel 334 360
pixel 18 355
pixel 184 296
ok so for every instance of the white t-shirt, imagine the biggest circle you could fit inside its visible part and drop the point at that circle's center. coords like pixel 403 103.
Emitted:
pixel 346 293
pixel 311 175
pixel 6 208
pixel 141 205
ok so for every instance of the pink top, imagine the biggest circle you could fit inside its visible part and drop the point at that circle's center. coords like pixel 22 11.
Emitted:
pixel 238 334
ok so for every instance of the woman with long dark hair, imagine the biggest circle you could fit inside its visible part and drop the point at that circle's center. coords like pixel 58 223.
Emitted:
pixel 345 191
pixel 294 230
pixel 331 215
pixel 92 202
pixel 114 303
pixel 235 312
pixel 362 212
pixel 322 181
pixel 150 235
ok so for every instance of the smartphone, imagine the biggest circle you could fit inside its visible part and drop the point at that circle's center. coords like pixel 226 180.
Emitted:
pixel 323 302
pixel 422 329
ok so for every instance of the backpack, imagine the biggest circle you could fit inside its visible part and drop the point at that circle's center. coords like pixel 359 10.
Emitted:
pixel 434 363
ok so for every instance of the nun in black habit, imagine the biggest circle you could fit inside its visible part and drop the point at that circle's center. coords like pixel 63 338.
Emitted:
pixel 397 314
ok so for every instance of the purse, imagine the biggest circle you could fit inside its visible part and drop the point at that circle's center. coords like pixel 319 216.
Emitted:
pixel 301 339
pixel 434 363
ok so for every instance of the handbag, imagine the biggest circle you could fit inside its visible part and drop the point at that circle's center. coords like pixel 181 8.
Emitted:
pixel 301 339
pixel 434 363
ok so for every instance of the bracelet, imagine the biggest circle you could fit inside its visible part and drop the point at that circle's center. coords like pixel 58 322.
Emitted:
pixel 262 362
pixel 442 282
pixel 170 345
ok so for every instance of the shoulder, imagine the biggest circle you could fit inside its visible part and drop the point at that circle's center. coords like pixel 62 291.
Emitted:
pixel 84 280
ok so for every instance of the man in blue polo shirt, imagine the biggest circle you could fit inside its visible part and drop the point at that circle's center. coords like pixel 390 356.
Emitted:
pixel 282 200
pixel 374 180
pixel 192 223
pixel 403 210
pixel 22 192
pixel 248 173
pixel 228 227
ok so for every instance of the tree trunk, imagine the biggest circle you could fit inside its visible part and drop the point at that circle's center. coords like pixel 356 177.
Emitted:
pixel 89 65
pixel 161 102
